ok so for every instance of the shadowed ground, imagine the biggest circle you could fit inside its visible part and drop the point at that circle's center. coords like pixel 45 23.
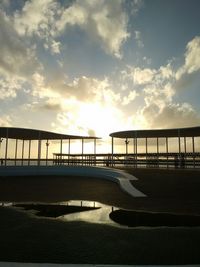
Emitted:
pixel 173 190
pixel 30 239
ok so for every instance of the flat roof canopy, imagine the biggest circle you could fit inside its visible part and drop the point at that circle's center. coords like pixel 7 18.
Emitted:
pixel 182 132
pixel 32 134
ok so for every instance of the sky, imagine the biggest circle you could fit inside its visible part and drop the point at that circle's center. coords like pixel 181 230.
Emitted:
pixel 92 67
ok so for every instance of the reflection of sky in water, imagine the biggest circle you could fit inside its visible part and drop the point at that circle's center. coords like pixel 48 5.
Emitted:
pixel 100 215
pixel 6 204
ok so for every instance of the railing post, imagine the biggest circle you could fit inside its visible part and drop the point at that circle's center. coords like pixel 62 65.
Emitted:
pixel 193 151
pixel 82 149
pixel 39 148
pixel 69 152
pixel 157 141
pixel 146 150
pixel 16 144
pixel 136 147
pixel 47 151
pixel 167 151
pixel 29 152
pixel 61 143
pixel 112 150
pixel 95 151
pixel 6 148
pixel 22 152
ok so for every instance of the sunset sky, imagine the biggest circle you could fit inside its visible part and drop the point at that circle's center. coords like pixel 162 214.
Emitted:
pixel 92 67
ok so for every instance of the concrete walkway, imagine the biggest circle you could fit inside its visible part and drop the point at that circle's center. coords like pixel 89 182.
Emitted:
pixel 115 175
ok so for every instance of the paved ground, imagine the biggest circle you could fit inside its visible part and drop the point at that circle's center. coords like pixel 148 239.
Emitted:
pixel 174 190
pixel 167 190
pixel 28 239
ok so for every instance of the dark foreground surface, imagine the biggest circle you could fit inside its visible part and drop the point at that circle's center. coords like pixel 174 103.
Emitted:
pixel 27 238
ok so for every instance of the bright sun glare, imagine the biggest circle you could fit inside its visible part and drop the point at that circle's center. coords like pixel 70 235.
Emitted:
pixel 103 119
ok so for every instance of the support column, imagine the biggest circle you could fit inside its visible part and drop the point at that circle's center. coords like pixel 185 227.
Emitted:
pixel 69 152
pixel 126 143
pixel 157 142
pixel 179 142
pixel 6 148
pixel 167 151
pixel 193 151
pixel 146 149
pixel 179 146
pixel 82 149
pixel 61 143
pixel 136 147
pixel 185 148
pixel 22 152
pixel 1 140
pixel 29 152
pixel 16 144
pixel 95 144
pixel 47 151
pixel 134 150
pixel 39 148
pixel 112 150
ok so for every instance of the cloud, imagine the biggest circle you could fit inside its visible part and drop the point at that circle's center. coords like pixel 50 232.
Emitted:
pixel 9 87
pixel 138 39
pixel 52 104
pixel 131 97
pixel 159 87
pixel 35 17
pixel 134 6
pixel 17 61
pixel 145 76
pixel 84 117
pixel 76 14
pixel 55 47
pixel 83 89
pixel 104 21
pixel 5 121
pixel 171 116
pixel 192 58
pixel 15 57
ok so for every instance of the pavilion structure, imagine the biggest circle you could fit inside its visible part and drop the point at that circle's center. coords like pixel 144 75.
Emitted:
pixel 183 156
pixel 29 135
pixel 172 148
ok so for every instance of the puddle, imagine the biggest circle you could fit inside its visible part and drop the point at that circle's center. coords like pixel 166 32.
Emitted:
pixel 73 210
pixel 6 204
pixel 54 210
pixel 96 212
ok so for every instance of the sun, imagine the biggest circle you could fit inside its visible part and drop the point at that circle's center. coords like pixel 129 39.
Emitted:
pixel 103 119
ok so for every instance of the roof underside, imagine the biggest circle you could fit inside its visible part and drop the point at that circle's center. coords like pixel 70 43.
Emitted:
pixel 32 134
pixel 182 132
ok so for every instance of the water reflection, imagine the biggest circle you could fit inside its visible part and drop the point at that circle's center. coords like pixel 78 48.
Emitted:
pixel 73 210
pixel 54 210
pixel 96 212
pixel 6 204
pixel 100 215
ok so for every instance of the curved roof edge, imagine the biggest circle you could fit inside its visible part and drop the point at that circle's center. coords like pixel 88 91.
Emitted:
pixel 33 134
pixel 182 132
